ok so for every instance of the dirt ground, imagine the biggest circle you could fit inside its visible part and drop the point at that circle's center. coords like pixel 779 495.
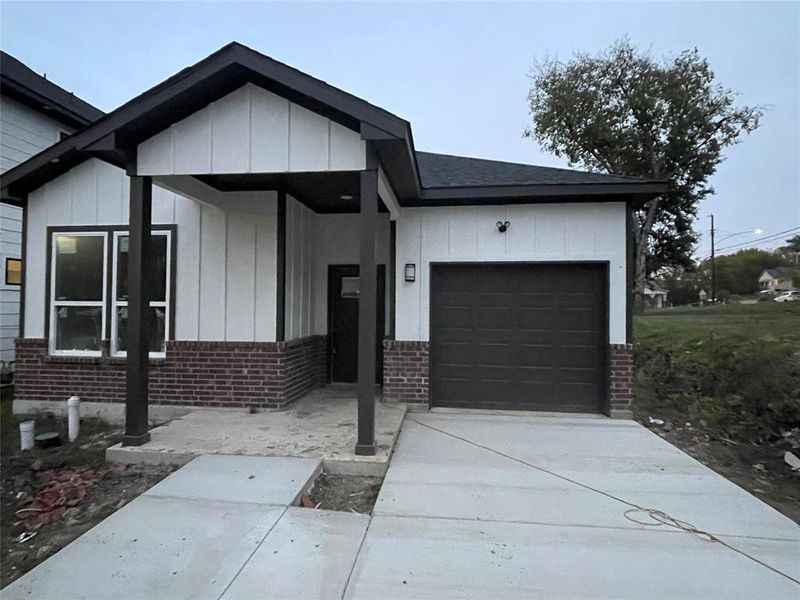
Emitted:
pixel 345 493
pixel 26 474
pixel 758 468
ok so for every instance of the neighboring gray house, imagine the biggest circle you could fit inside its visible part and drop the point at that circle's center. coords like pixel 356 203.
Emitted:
pixel 34 114
pixel 776 280
pixel 296 237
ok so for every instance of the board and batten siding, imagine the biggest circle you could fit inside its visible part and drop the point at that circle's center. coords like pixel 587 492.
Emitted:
pixel 226 259
pixel 252 130
pixel 543 232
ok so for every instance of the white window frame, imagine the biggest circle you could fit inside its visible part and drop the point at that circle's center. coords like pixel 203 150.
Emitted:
pixel 165 304
pixel 56 304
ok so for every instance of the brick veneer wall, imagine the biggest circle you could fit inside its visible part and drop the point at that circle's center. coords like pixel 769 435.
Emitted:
pixel 620 377
pixel 233 374
pixel 405 371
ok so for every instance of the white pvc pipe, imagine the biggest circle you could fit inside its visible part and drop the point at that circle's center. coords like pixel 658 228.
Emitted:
pixel 73 417
pixel 26 435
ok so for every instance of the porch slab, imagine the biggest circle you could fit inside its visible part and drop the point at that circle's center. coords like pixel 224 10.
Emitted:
pixel 321 425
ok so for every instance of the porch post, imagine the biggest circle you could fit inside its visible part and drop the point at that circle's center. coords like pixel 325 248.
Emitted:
pixel 367 309
pixel 139 259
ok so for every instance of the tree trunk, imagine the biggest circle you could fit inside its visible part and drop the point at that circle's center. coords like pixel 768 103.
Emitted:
pixel 641 235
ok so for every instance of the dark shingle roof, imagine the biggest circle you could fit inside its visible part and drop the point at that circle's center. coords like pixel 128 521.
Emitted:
pixel 18 80
pixel 446 170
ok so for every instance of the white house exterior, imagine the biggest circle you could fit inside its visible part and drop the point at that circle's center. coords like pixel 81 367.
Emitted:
pixel 34 114
pixel 775 280
pixel 297 238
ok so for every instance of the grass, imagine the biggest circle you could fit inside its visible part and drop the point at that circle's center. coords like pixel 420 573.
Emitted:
pixel 768 321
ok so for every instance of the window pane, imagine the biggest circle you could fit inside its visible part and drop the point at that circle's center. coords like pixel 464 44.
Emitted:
pixel 159 279
pixel 79 267
pixel 155 322
pixel 78 327
pixel 350 287
pixel 13 271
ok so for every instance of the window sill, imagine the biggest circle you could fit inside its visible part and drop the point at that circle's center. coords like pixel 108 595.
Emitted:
pixel 97 360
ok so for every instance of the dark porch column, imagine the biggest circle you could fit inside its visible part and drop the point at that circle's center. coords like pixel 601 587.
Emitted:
pixel 367 310
pixel 139 263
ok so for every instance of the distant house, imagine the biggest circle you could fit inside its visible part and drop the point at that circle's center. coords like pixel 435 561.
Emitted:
pixel 655 297
pixel 775 280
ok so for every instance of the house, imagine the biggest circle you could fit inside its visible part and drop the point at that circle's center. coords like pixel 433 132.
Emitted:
pixel 776 280
pixel 655 297
pixel 260 233
pixel 34 113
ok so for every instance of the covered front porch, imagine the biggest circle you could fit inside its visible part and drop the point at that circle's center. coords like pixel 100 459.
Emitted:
pixel 319 425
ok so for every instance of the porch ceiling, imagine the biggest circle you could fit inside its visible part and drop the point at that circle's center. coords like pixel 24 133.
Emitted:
pixel 321 191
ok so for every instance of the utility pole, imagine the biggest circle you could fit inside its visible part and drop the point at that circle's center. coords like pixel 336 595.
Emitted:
pixel 713 266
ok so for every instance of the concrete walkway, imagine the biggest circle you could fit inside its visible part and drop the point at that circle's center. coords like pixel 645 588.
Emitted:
pixel 473 506
pixel 457 520
pixel 222 527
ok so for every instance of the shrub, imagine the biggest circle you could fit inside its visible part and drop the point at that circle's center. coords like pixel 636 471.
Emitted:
pixel 745 388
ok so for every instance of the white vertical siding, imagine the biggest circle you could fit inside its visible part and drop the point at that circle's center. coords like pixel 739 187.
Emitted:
pixel 547 232
pixel 300 269
pixel 215 247
pixel 252 130
pixel 336 242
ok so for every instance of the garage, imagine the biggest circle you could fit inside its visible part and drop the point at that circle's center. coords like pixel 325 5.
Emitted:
pixel 519 336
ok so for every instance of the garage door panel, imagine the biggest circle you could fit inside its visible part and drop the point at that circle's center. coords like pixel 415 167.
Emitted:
pixel 519 336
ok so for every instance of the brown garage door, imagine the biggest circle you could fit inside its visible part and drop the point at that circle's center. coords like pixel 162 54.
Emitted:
pixel 519 336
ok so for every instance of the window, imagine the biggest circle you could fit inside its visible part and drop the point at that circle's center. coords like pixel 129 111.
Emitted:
pixel 157 318
pixel 13 271
pixel 89 291
pixel 78 292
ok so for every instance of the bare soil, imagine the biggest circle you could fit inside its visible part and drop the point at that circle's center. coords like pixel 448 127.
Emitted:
pixel 757 467
pixel 25 474
pixel 349 493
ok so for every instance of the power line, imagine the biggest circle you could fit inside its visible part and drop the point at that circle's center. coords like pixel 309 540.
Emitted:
pixel 765 240
pixel 769 238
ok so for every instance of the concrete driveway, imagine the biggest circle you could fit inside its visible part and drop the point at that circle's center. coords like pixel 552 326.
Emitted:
pixel 464 512
pixel 473 506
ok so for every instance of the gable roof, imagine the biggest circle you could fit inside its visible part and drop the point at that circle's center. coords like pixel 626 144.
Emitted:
pixel 778 273
pixel 446 179
pixel 23 84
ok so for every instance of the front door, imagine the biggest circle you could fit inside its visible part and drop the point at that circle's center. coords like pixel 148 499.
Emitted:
pixel 343 290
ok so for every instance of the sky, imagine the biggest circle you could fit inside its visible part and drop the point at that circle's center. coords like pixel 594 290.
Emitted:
pixel 459 72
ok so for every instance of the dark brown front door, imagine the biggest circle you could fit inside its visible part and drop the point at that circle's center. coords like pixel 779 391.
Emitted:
pixel 343 288
pixel 519 336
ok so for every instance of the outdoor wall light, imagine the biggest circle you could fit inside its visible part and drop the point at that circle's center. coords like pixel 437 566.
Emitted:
pixel 502 226
pixel 411 272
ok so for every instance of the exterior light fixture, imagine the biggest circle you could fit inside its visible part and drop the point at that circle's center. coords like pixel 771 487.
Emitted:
pixel 502 226
pixel 346 197
pixel 411 272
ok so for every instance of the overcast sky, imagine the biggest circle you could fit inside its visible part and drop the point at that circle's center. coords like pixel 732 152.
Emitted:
pixel 457 71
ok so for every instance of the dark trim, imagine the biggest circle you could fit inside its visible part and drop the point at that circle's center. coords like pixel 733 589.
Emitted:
pixel 392 304
pixel 23 256
pixel 605 400
pixel 109 230
pixel 280 284
pixel 8 260
pixel 630 267
pixel 508 194
pixel 24 85
pixel 139 270
pixel 367 307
